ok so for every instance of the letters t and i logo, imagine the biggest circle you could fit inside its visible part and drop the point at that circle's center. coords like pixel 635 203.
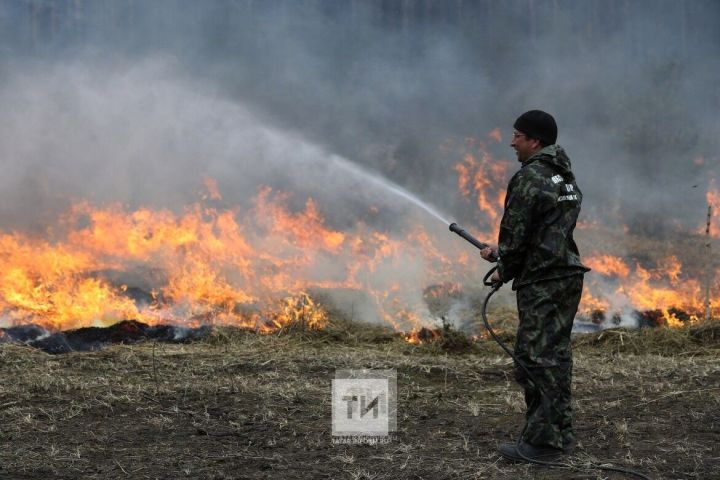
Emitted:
pixel 364 403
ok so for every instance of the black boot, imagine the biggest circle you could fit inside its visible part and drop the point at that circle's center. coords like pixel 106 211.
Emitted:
pixel 532 452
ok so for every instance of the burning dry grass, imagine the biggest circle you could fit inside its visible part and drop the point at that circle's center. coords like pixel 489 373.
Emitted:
pixel 702 339
pixel 243 405
pixel 259 265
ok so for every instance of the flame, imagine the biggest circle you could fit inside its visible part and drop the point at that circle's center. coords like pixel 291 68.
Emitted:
pixel 662 288
pixel 253 268
pixel 422 335
pixel 616 284
pixel 590 303
pixel 258 267
pixel 482 177
pixel 300 310
pixel 46 284
pixel 607 265
pixel 304 229
pixel 443 290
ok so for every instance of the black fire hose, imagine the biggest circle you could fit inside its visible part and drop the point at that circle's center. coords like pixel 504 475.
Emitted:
pixel 494 287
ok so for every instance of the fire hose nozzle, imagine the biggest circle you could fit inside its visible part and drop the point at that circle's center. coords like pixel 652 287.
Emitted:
pixel 454 227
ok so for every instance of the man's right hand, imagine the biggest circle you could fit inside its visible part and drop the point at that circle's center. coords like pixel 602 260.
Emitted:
pixel 490 254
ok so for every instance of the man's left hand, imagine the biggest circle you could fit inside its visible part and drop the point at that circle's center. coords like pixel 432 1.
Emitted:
pixel 495 277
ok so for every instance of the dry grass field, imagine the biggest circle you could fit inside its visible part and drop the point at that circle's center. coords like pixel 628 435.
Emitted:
pixel 241 405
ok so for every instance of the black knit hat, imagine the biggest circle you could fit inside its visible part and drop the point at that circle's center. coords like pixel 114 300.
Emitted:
pixel 537 124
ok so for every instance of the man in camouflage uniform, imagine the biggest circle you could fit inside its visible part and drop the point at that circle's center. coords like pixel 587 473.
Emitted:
pixel 537 251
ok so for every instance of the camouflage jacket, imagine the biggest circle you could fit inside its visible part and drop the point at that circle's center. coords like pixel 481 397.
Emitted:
pixel 542 205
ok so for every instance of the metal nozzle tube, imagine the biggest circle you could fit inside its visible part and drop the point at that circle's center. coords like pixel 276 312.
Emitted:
pixel 454 227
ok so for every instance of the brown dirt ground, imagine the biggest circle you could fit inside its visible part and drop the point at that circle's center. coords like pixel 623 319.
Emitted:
pixel 241 405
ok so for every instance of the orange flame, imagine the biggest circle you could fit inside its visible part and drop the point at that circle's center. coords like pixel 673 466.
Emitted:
pixel 422 335
pixel 482 177
pixel 613 283
pixel 207 265
pixel 662 288
pixel 258 267
pixel 607 265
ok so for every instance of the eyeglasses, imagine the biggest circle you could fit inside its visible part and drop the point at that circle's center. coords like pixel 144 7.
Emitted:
pixel 518 135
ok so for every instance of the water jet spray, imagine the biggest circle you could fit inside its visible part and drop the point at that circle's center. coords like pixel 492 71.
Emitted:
pixel 388 185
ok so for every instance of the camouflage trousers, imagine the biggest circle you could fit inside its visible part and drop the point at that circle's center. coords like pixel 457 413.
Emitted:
pixel 546 311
